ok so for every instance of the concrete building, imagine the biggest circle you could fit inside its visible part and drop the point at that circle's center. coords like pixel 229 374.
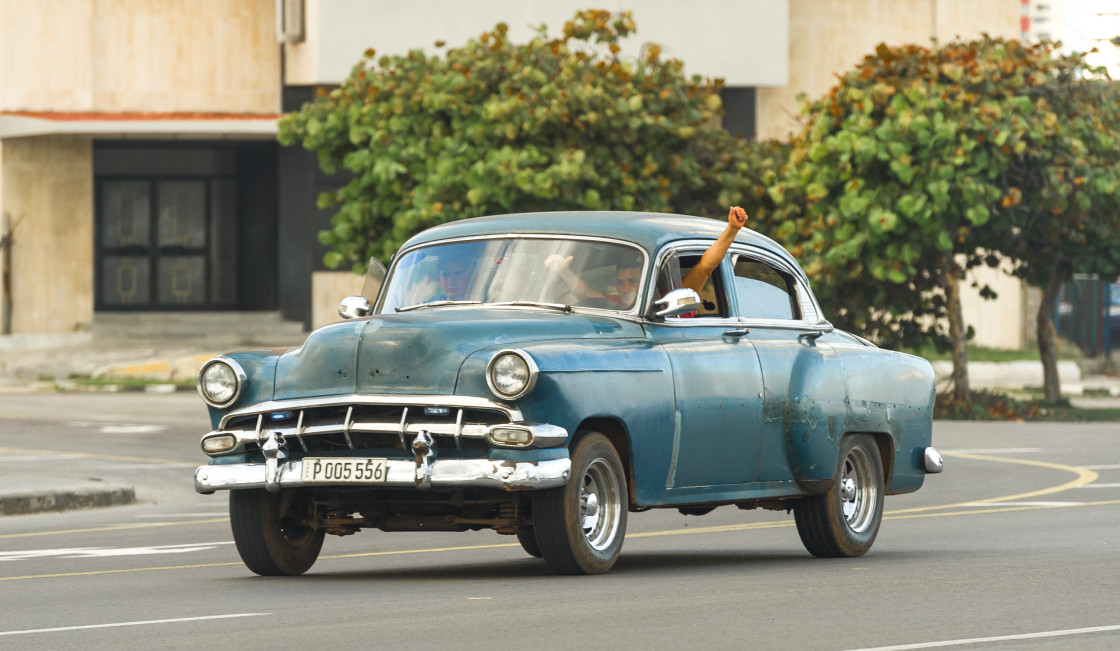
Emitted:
pixel 138 165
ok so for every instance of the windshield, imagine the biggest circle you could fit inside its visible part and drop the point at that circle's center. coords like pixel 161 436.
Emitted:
pixel 581 273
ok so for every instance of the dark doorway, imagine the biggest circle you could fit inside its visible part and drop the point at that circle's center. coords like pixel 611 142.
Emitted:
pixel 161 243
pixel 185 227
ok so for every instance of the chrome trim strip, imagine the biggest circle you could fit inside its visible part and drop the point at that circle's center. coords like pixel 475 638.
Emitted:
pixel 461 402
pixel 778 324
pixel 401 429
pixel 459 431
pixel 346 425
pixel 299 432
pixel 481 473
pixel 544 435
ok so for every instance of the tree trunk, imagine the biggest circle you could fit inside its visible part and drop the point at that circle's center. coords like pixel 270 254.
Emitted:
pixel 951 282
pixel 1048 336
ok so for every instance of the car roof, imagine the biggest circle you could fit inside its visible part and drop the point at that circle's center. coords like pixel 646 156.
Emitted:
pixel 649 230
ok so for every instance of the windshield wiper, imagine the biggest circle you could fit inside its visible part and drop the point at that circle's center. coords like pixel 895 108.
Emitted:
pixel 436 304
pixel 551 306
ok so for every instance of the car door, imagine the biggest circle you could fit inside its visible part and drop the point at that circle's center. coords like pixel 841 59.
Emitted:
pixel 803 376
pixel 718 390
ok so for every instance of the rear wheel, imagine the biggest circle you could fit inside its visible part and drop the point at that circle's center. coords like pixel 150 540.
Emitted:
pixel 845 520
pixel 270 533
pixel 580 526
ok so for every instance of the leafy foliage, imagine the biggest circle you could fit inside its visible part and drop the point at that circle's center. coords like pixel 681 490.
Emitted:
pixel 919 157
pixel 557 123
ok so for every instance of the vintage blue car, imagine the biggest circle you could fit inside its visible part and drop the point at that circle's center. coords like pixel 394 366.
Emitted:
pixel 545 374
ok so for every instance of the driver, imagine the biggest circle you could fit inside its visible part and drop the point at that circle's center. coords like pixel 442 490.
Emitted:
pixel 629 273
pixel 454 280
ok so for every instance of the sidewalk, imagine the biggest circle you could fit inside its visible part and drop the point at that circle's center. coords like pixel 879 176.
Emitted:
pixel 44 363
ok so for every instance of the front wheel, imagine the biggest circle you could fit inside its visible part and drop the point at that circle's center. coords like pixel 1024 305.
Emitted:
pixel 270 533
pixel 580 526
pixel 845 520
pixel 528 540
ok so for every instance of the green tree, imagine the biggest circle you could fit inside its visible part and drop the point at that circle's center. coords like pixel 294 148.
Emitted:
pixel 902 176
pixel 1062 200
pixel 557 123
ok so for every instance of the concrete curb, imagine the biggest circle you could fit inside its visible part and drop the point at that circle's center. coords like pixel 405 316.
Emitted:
pixel 21 503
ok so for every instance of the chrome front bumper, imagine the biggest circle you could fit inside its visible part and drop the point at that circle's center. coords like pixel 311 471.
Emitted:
pixel 477 473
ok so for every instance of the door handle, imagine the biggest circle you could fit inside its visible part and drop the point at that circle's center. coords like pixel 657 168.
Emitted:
pixel 736 332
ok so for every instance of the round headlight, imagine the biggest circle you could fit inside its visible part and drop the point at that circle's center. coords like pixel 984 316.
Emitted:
pixel 511 374
pixel 220 382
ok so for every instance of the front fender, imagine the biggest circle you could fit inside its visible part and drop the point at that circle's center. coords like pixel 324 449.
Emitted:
pixel 629 381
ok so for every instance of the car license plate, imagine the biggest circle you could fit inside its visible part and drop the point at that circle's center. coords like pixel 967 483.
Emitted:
pixel 321 470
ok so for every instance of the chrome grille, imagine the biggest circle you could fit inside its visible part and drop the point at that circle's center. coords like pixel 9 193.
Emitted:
pixel 339 425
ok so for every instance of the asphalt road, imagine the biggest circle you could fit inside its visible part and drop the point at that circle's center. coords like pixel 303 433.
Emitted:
pixel 1015 546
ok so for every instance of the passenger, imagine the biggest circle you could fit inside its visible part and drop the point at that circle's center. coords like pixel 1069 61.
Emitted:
pixel 629 273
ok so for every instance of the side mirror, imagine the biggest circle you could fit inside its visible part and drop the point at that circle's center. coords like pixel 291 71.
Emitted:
pixel 353 307
pixel 678 301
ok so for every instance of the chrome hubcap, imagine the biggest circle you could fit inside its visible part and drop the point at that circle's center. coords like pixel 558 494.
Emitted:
pixel 600 505
pixel 858 495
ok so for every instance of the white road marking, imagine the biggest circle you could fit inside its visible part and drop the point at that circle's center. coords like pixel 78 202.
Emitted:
pixel 118 428
pixel 131 466
pixel 102 552
pixel 40 457
pixel 1109 467
pixel 994 450
pixel 1100 486
pixel 1001 638
pixel 132 429
pixel 141 623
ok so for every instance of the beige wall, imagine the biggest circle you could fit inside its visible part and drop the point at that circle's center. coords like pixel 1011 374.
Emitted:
pixel 743 41
pixel 998 323
pixel 157 56
pixel 328 288
pixel 828 37
pixel 47 189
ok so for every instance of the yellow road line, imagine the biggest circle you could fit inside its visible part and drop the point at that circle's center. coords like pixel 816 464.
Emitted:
pixel 648 534
pixel 1007 509
pixel 120 571
pixel 1084 476
pixel 121 527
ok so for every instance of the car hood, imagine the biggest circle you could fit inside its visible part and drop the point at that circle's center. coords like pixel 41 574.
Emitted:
pixel 420 352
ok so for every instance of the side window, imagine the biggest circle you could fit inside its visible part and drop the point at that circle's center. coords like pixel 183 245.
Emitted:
pixel 763 291
pixel 713 298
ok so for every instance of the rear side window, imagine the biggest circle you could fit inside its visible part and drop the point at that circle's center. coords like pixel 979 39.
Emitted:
pixel 763 291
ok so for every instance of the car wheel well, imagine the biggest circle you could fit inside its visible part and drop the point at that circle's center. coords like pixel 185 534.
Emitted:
pixel 616 433
pixel 886 453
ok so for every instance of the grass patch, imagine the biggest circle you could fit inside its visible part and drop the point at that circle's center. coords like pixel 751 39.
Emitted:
pixel 989 405
pixel 1066 351
pixel 108 383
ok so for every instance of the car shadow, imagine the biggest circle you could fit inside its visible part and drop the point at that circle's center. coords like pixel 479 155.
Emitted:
pixel 651 563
